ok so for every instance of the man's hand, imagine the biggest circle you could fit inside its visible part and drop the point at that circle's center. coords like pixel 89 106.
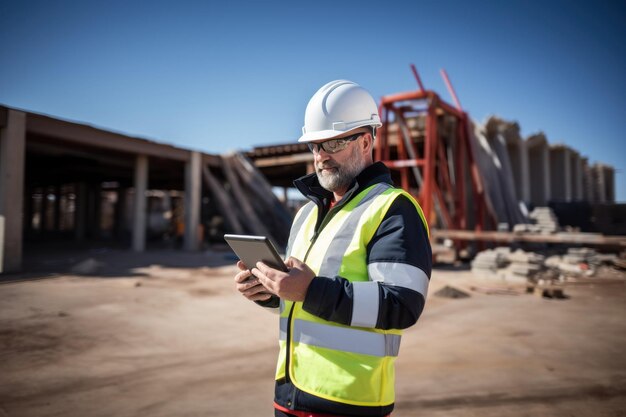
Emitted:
pixel 291 285
pixel 249 286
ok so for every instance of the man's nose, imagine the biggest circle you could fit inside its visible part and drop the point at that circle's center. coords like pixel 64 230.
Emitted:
pixel 321 155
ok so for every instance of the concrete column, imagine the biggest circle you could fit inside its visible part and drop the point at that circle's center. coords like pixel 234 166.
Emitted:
pixel 94 210
pixel 139 218
pixel 57 209
pixel 586 180
pixel 28 211
pixel 12 155
pixel 524 172
pixel 567 174
pixel 80 211
pixel 120 205
pixel 546 170
pixel 609 182
pixel 601 184
pixel 193 193
pixel 45 208
pixel 579 179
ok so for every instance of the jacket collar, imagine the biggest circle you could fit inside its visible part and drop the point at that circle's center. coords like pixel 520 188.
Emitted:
pixel 310 186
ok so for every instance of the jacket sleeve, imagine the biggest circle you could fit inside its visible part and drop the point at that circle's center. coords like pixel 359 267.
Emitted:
pixel 399 267
pixel 272 302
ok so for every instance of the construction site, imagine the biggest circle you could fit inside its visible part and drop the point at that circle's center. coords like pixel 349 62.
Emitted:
pixel 117 293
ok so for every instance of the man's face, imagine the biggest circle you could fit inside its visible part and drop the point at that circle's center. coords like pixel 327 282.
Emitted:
pixel 335 171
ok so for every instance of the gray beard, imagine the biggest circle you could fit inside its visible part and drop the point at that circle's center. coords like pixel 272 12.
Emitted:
pixel 340 178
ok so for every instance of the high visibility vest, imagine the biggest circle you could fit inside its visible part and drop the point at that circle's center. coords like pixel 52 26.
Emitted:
pixel 346 364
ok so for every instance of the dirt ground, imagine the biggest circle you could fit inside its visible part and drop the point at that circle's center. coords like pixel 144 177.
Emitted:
pixel 165 334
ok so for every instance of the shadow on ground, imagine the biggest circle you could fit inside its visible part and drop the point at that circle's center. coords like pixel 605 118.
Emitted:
pixel 49 260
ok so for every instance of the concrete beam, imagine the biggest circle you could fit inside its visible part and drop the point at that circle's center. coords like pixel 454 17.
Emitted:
pixel 193 194
pixel 140 215
pixel 283 160
pixel 12 154
pixel 90 136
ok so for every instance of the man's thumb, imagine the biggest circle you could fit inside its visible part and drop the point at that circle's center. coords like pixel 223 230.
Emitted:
pixel 292 262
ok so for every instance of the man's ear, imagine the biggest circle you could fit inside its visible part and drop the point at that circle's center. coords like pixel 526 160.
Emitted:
pixel 368 143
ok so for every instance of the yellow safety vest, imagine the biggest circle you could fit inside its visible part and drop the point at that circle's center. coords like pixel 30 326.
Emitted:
pixel 346 364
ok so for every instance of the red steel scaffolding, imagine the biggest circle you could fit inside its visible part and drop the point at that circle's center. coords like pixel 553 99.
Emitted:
pixel 425 142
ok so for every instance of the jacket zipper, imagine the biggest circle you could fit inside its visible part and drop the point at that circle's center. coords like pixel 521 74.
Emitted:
pixel 317 232
pixel 289 324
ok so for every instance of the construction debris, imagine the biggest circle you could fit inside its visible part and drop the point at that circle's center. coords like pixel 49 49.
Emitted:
pixel 495 291
pixel 246 200
pixel 89 266
pixel 550 292
pixel 542 220
pixel 451 292
pixel 489 262
pixel 502 264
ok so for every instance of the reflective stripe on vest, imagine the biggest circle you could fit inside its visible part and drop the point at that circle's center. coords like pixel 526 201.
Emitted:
pixel 301 217
pixel 349 339
pixel 348 364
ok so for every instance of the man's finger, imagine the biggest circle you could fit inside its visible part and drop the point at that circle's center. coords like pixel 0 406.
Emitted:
pixel 260 297
pixel 292 262
pixel 264 279
pixel 263 268
pixel 255 289
pixel 242 276
pixel 252 282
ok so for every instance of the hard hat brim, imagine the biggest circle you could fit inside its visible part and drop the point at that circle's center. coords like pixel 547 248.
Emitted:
pixel 331 133
pixel 320 135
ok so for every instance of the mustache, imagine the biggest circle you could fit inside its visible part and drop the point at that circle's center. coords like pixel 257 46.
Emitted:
pixel 327 165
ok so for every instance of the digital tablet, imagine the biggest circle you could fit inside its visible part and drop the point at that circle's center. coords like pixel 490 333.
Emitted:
pixel 252 249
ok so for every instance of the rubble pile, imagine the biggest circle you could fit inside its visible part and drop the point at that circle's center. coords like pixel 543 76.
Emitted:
pixel 524 265
pixel 451 292
pixel 489 261
pixel 503 264
pixel 579 262
pixel 543 221
pixel 520 266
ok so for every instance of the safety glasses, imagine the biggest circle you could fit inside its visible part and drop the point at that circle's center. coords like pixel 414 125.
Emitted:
pixel 334 145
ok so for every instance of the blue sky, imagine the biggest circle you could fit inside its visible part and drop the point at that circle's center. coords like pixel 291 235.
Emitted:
pixel 217 77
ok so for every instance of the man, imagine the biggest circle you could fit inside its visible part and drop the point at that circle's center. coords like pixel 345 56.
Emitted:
pixel 359 263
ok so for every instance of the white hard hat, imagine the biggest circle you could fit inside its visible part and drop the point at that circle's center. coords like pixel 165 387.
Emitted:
pixel 338 107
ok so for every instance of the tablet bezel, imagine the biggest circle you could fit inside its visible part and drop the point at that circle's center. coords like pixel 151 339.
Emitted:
pixel 251 249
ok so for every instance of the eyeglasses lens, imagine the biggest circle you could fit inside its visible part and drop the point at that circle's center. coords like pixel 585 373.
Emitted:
pixel 333 145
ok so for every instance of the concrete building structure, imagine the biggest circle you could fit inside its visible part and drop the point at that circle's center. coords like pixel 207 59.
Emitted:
pixel 576 175
pixel 539 169
pixel 560 173
pixel 68 182
pixel 542 173
pixel 603 183
pixel 518 156
pixel 64 181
